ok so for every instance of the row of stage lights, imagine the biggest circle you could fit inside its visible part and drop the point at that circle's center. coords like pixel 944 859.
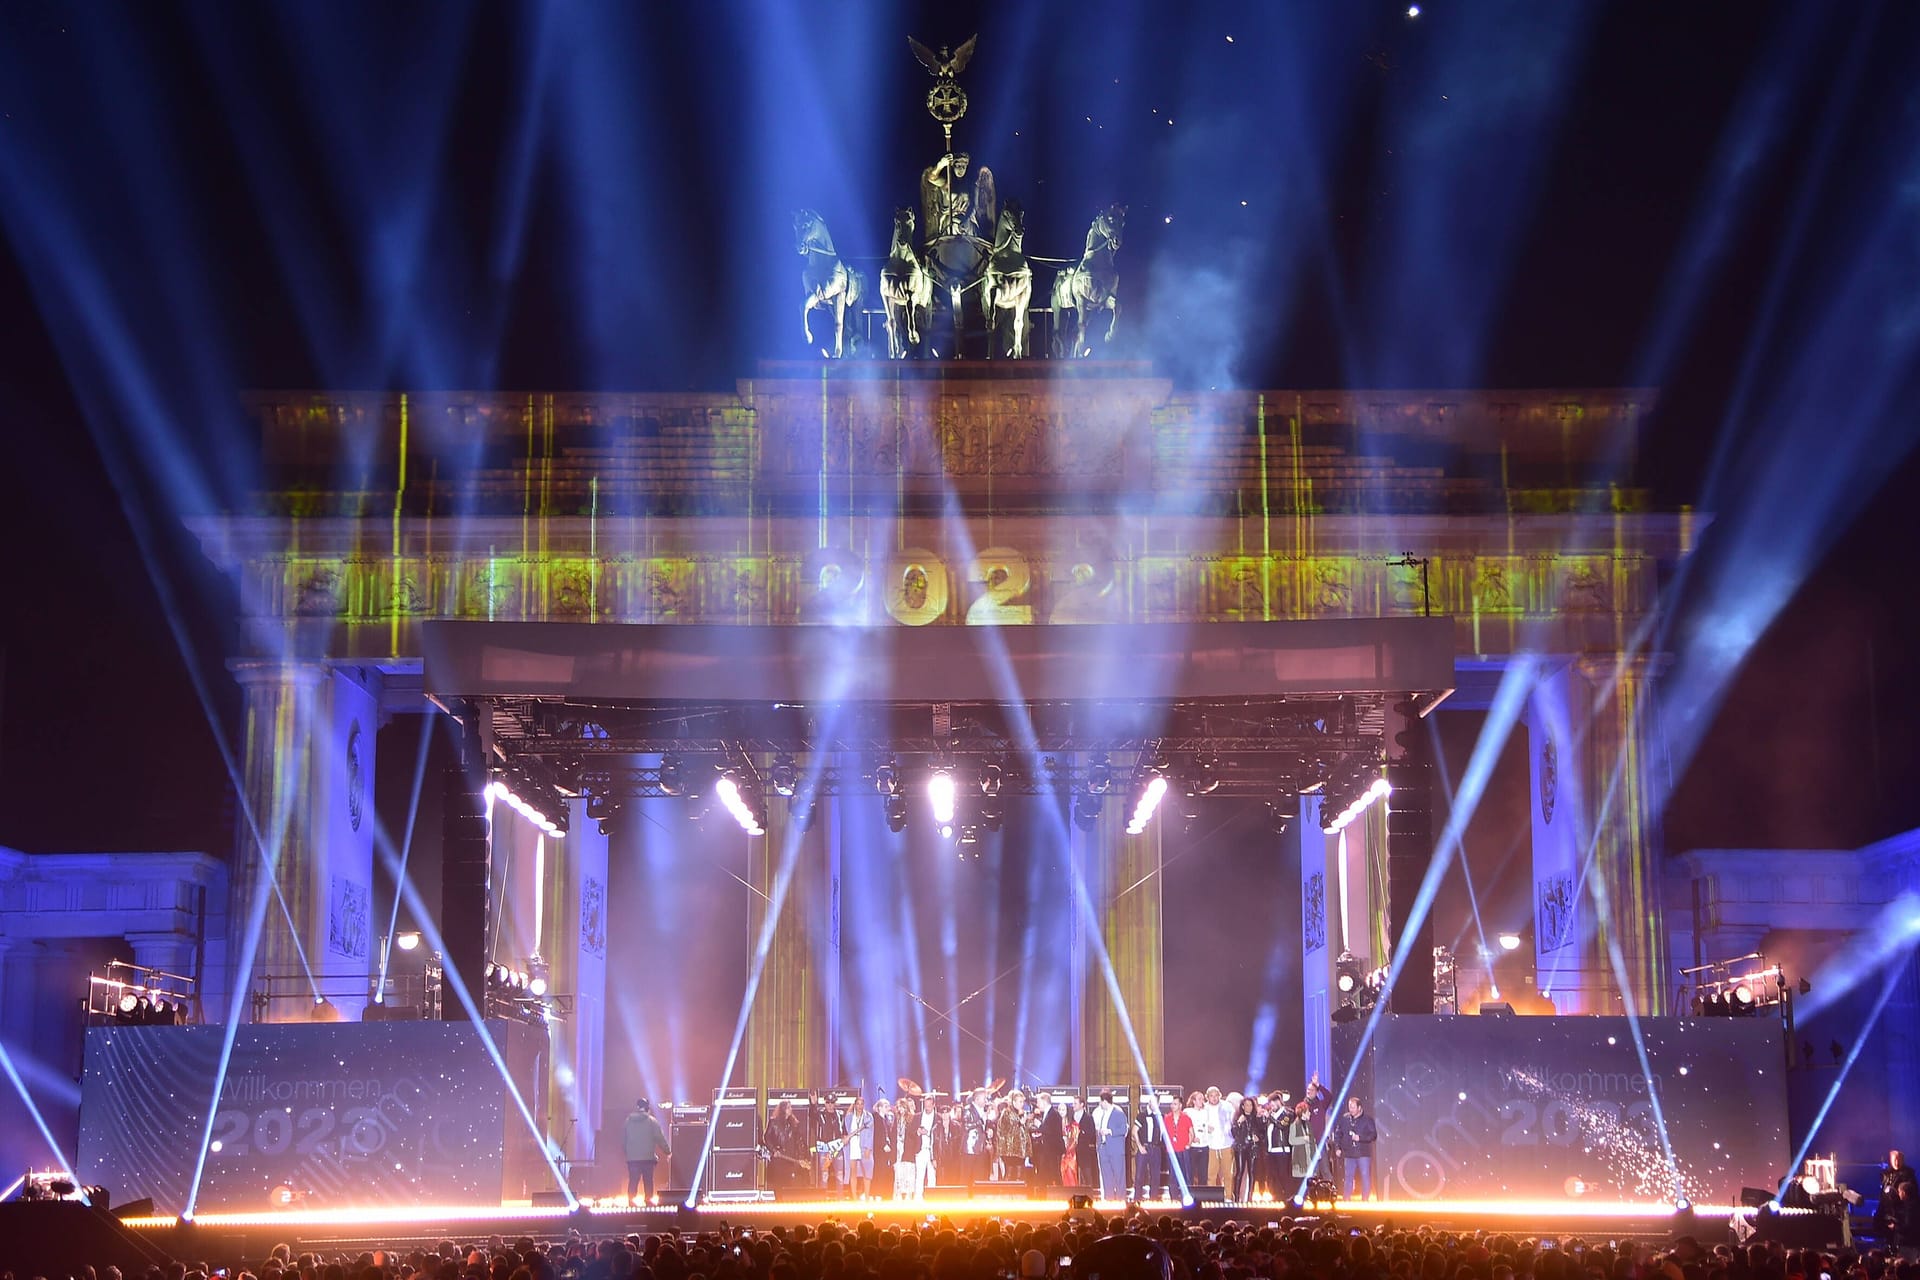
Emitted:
pixel 498 790
pixel 147 997
pixel 963 799
pixel 1379 790
pixel 1740 988
pixel 516 983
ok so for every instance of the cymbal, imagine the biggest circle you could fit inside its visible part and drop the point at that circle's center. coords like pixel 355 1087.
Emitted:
pixel 997 1084
pixel 910 1088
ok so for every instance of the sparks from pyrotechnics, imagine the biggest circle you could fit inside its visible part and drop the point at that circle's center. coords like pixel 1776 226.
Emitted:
pixel 1636 1163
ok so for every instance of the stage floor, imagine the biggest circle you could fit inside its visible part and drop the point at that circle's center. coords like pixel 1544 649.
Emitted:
pixel 247 1234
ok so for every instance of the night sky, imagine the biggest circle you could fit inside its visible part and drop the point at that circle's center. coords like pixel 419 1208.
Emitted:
pixel 201 198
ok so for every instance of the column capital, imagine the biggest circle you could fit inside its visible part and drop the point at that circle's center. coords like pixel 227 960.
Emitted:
pixel 1601 668
pixel 278 672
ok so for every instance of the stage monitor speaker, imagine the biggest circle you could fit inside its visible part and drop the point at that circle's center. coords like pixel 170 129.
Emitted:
pixel 549 1199
pixel 1496 1009
pixel 1204 1193
pixel 142 1208
pixel 1009 1190
pixel 1064 1193
pixel 732 1172
pixel 1756 1197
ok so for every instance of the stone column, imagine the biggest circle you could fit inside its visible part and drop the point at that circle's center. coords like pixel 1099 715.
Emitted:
pixel 1624 767
pixel 574 945
pixel 786 1033
pixel 168 952
pixel 1123 884
pixel 272 895
pixel 1319 938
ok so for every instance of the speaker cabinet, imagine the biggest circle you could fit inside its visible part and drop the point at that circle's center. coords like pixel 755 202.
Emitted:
pixel 732 1171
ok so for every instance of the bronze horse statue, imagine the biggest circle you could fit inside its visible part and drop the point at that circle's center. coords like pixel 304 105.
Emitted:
pixel 828 281
pixel 1092 284
pixel 906 289
pixel 1006 287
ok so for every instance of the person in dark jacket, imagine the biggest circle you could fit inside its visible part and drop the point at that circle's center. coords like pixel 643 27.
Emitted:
pixel 1150 1147
pixel 1086 1146
pixel 1357 1134
pixel 645 1143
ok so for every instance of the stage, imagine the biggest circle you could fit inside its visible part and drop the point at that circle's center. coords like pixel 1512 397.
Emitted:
pixel 248 1235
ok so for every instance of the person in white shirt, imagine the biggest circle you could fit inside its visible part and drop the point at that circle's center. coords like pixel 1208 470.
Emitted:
pixel 1220 1137
pixel 1201 1118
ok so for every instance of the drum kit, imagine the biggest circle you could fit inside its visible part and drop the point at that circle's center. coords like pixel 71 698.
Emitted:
pixel 909 1088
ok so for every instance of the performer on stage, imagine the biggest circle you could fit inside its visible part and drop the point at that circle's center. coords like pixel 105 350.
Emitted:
pixel 1012 1145
pixel 1357 1134
pixel 1220 1137
pixel 787 1156
pixel 979 1125
pixel 855 1162
pixel 1200 1124
pixel 1150 1149
pixel 824 1124
pixel 1300 1142
pixel 915 1150
pixel 1180 1137
pixel 646 1142
pixel 1086 1145
pixel 1110 1128
pixel 1049 1142
pixel 884 1149
pixel 949 1148
pixel 1249 1138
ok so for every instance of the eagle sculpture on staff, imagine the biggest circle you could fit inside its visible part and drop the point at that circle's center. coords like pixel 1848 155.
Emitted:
pixel 946 64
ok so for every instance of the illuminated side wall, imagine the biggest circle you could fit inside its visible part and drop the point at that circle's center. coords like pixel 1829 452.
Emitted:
pixel 1556 727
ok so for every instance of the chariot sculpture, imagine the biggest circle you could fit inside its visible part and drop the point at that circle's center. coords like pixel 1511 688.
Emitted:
pixel 972 247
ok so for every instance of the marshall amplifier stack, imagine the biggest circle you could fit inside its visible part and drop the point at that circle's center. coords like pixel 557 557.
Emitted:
pixel 733 1170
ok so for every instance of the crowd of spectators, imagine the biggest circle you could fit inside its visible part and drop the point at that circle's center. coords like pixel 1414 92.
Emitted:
pixel 1080 1246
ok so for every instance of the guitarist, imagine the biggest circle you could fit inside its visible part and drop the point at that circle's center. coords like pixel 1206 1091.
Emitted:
pixel 786 1139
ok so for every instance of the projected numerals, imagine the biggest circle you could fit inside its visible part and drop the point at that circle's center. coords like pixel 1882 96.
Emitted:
pixel 1006 577
pixel 917 587
pixel 277 1130
pixel 1562 1124
pixel 835 578
pixel 1003 587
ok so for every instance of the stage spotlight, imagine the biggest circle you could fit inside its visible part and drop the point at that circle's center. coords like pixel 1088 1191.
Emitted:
pixel 1347 1012
pixel 784 776
pixel 673 776
pixel 731 795
pixel 1348 972
pixel 1143 809
pixel 941 791
pixel 1099 776
pixel 408 941
pixel 1086 811
pixel 536 986
pixel 992 776
pixel 1743 997
pixel 896 813
pixel 1206 776
pixel 1509 942
pixel 129 1002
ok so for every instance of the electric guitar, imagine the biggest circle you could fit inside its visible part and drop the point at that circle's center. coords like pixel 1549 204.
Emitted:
pixel 767 1155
